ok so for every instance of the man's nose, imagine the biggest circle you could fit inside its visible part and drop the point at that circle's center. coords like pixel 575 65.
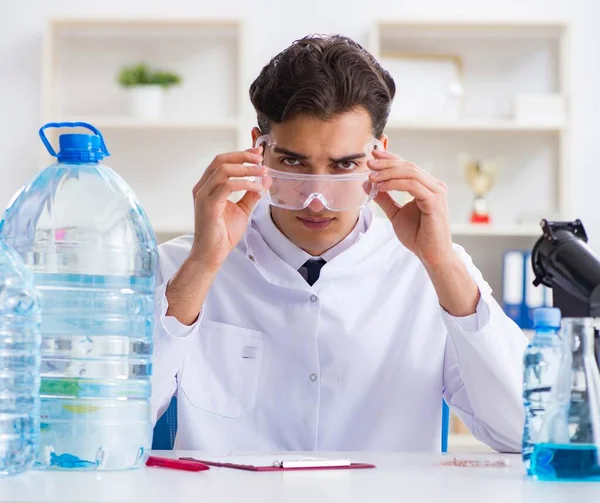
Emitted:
pixel 316 205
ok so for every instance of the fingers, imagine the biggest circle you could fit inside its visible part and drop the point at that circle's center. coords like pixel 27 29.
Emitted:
pixel 248 202
pixel 390 172
pixel 390 169
pixel 250 198
pixel 226 173
pixel 250 156
pixel 224 190
pixel 387 204
pixel 413 187
pixel 385 154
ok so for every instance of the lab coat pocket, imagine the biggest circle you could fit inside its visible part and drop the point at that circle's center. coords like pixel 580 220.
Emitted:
pixel 221 376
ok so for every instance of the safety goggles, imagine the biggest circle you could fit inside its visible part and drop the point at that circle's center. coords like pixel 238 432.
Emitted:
pixel 345 187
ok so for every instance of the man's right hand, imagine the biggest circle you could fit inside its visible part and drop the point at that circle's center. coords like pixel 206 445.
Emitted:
pixel 219 227
pixel 219 222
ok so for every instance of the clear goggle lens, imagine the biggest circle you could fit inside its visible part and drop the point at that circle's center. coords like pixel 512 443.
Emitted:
pixel 346 186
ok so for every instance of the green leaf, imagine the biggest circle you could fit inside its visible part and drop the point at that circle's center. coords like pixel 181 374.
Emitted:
pixel 141 75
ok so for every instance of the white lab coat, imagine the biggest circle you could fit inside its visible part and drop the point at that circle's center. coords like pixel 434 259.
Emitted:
pixel 359 361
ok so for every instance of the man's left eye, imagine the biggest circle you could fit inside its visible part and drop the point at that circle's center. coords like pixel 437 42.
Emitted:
pixel 346 165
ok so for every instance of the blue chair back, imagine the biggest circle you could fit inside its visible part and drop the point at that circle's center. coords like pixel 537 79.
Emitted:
pixel 166 428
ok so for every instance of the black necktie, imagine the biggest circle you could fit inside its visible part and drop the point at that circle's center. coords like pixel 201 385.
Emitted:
pixel 313 269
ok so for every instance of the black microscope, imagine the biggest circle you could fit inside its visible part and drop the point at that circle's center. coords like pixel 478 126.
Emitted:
pixel 563 261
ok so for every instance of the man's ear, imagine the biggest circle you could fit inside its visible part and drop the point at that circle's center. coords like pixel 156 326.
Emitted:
pixel 256 134
pixel 384 141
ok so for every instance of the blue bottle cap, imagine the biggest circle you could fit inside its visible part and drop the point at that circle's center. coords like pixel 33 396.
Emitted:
pixel 80 148
pixel 547 317
pixel 76 148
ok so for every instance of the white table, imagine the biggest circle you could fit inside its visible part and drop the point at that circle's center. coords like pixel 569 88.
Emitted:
pixel 398 478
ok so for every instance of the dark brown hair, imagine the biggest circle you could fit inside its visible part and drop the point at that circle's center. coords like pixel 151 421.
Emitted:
pixel 322 76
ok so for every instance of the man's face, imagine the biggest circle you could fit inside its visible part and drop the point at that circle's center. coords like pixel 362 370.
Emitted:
pixel 318 147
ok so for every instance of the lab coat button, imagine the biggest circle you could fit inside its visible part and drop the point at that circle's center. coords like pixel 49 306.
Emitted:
pixel 313 377
pixel 313 298
pixel 251 258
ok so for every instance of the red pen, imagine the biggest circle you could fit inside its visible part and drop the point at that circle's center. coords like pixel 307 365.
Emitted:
pixel 177 464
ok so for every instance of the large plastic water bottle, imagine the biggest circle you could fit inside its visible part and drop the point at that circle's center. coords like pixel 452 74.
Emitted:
pixel 541 364
pixel 19 364
pixel 80 229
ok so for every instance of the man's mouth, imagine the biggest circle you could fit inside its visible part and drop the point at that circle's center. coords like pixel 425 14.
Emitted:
pixel 316 222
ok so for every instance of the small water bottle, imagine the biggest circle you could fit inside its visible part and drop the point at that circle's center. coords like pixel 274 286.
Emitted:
pixel 19 364
pixel 82 232
pixel 569 443
pixel 541 362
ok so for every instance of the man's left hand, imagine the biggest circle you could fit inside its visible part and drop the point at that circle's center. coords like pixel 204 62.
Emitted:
pixel 423 224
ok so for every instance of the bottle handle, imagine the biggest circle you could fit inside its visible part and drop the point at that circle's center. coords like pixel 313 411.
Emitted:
pixel 48 146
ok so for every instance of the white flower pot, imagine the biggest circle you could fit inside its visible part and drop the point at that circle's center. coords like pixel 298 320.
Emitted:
pixel 147 101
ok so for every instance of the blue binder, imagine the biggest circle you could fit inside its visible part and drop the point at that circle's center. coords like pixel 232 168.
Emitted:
pixel 513 286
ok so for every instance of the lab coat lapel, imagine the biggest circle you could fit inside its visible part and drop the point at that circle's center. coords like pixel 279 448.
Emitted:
pixel 271 267
pixel 277 272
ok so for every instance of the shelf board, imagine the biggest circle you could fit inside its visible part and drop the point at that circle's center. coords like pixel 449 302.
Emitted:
pixel 445 29
pixel 151 22
pixel 496 230
pixel 166 123
pixel 134 28
pixel 472 125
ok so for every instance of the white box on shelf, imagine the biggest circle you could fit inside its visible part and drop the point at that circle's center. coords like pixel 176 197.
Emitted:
pixel 428 86
pixel 540 109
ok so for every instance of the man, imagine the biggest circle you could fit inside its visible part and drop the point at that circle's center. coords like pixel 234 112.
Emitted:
pixel 301 329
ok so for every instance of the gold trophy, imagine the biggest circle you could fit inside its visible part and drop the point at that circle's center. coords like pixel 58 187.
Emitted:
pixel 480 177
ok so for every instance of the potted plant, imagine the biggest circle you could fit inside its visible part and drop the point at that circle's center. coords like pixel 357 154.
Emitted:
pixel 146 89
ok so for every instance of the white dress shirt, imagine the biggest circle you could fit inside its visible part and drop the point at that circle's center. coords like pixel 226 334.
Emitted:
pixel 358 361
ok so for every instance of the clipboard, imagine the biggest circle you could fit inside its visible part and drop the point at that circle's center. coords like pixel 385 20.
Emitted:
pixel 287 466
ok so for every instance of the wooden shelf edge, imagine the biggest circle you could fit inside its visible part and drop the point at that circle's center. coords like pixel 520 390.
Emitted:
pixel 165 123
pixel 119 21
pixel 459 229
pixel 493 126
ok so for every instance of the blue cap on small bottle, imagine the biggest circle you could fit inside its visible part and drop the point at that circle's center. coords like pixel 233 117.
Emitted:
pixel 547 317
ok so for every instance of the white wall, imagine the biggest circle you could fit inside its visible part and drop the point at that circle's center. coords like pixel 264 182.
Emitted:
pixel 271 26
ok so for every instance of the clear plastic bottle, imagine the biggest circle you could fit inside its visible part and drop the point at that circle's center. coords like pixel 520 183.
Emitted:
pixel 569 444
pixel 19 364
pixel 541 362
pixel 80 229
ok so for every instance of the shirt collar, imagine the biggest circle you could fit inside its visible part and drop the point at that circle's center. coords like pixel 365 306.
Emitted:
pixel 293 255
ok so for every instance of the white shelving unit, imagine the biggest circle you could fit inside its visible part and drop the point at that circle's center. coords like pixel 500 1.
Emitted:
pixel 498 61
pixel 161 159
pixel 495 62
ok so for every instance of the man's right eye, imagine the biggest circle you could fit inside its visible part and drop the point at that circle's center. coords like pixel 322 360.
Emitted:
pixel 290 161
